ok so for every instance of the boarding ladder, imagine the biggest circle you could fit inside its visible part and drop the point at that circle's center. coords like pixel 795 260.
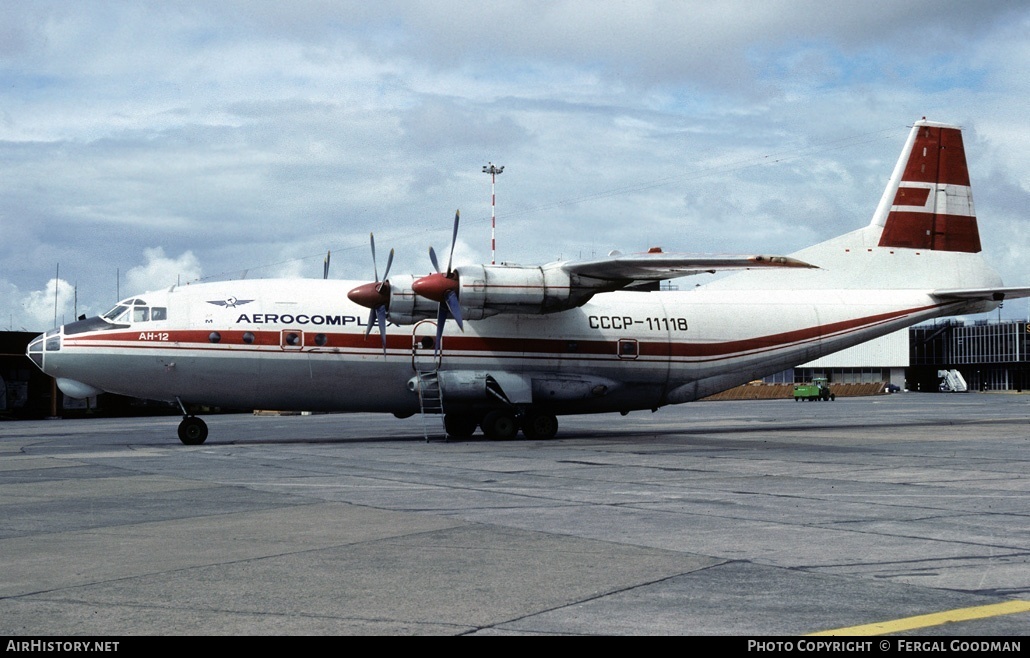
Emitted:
pixel 425 361
pixel 430 401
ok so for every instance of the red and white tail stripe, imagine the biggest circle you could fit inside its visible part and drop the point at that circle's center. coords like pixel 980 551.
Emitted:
pixel 929 203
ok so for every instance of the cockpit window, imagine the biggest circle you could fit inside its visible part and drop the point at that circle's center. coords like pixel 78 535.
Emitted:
pixel 119 313
pixel 135 310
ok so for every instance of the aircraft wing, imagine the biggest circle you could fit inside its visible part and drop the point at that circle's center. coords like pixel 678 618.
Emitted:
pixel 660 266
pixel 990 294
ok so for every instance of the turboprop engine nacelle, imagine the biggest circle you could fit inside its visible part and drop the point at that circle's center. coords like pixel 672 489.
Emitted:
pixel 406 306
pixel 485 290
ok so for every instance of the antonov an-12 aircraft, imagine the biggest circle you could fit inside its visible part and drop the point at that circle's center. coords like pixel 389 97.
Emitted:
pixel 508 348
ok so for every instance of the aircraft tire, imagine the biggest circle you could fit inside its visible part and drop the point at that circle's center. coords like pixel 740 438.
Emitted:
pixel 192 431
pixel 500 425
pixel 540 425
pixel 459 426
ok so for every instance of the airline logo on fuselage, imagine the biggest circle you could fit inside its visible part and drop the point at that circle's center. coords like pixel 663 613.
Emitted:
pixel 298 319
pixel 232 302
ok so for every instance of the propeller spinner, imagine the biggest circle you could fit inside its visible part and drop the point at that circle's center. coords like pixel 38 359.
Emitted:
pixel 375 295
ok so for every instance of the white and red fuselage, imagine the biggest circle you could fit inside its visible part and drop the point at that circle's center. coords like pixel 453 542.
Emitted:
pixel 301 345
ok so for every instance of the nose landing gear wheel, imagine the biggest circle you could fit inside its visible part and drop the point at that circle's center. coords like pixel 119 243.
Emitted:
pixel 192 431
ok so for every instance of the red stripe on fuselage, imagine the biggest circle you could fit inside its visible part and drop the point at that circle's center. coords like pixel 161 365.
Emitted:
pixel 460 345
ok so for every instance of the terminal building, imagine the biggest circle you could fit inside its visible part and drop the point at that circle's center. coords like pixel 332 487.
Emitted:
pixel 992 356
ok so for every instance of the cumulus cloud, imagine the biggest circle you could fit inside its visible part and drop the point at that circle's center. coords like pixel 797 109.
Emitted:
pixel 51 306
pixel 161 272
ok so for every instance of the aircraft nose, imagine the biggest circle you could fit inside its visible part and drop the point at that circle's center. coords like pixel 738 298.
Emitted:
pixel 48 342
pixel 35 350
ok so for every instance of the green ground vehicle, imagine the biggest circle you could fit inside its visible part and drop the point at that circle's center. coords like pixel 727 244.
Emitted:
pixel 817 390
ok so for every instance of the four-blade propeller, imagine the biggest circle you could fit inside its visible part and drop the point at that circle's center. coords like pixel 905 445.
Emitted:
pixel 375 296
pixel 442 287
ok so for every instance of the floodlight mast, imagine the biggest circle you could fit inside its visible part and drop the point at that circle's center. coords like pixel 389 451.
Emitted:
pixel 494 171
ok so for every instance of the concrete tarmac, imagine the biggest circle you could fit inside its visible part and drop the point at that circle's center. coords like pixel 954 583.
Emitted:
pixel 731 518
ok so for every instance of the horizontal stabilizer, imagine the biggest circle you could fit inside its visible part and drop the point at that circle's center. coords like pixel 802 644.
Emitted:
pixel 657 266
pixel 987 294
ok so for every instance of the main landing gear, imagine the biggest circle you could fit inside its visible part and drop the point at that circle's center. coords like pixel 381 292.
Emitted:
pixel 504 424
pixel 192 430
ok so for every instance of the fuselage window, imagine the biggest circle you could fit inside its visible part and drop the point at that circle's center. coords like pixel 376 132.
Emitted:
pixel 628 348
pixel 141 314
pixel 159 313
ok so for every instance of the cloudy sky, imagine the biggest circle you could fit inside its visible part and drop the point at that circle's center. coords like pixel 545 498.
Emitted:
pixel 145 143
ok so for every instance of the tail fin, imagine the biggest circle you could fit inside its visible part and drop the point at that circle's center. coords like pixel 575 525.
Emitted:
pixel 923 234
pixel 928 203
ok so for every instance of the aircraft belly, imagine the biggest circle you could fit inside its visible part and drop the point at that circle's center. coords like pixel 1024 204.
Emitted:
pixel 311 382
pixel 286 381
pixel 111 372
